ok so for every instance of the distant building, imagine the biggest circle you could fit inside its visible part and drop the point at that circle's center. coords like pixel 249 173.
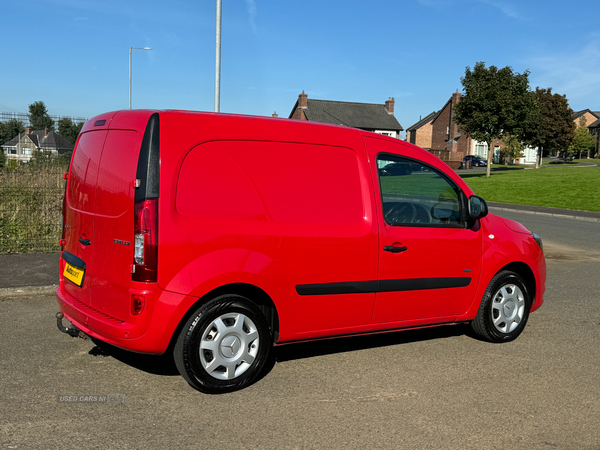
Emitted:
pixel 440 135
pixel 378 118
pixel 420 133
pixel 22 147
pixel 592 122
pixel 595 131
pixel 590 117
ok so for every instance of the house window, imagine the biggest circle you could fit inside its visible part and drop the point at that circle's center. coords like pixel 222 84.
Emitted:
pixel 386 133
pixel 496 154
pixel 13 151
pixel 481 149
pixel 26 151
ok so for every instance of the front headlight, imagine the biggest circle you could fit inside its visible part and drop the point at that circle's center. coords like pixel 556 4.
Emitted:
pixel 538 240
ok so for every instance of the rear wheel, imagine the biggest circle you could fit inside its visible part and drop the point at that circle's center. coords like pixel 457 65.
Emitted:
pixel 504 308
pixel 223 346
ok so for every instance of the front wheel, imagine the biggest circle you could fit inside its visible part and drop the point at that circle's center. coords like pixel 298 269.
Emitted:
pixel 504 308
pixel 223 346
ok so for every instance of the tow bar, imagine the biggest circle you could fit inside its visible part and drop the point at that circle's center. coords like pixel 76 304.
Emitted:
pixel 71 330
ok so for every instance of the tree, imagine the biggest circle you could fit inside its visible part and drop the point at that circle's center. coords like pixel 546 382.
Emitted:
pixel 40 159
pixel 39 118
pixel 582 140
pixel 553 128
pixel 69 130
pixel 10 129
pixel 496 103
pixel 513 149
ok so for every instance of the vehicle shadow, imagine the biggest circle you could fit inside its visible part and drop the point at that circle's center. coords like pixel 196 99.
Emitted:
pixel 165 365
pixel 153 364
pixel 303 350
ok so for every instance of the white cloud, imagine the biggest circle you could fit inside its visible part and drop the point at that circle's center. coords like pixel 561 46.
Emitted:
pixel 574 74
pixel 503 7
pixel 252 10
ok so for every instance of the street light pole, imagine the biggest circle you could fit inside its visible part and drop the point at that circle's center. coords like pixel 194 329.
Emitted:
pixel 130 49
pixel 218 60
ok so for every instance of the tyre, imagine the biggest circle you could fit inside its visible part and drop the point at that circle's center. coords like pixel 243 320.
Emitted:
pixel 504 308
pixel 223 346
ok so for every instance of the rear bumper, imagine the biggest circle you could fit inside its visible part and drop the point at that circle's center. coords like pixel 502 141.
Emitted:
pixel 150 332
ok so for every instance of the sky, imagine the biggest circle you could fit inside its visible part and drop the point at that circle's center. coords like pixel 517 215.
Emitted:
pixel 74 54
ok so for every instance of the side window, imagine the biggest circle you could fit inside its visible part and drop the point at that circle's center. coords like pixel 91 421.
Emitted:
pixel 414 194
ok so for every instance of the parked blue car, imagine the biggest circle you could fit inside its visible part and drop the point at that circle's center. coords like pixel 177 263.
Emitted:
pixel 475 161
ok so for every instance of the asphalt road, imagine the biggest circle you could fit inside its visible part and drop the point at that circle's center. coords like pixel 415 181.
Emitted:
pixel 426 389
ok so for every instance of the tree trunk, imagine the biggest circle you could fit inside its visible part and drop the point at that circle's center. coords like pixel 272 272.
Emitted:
pixel 538 161
pixel 490 157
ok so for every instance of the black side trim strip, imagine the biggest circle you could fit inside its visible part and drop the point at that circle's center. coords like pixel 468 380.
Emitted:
pixel 355 287
pixel 420 284
pixel 73 260
pixel 370 287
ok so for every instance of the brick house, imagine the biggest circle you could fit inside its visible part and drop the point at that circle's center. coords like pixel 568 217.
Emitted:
pixel 594 129
pixel 420 133
pixel 439 134
pixel 590 117
pixel 378 118
pixel 447 142
pixel 592 121
pixel 22 146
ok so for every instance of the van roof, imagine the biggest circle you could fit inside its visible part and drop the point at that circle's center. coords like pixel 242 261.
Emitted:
pixel 212 125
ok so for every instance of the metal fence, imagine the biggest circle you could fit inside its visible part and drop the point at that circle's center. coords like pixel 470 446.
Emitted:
pixel 31 209
pixel 23 117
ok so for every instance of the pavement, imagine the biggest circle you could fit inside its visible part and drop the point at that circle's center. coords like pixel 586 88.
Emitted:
pixel 31 274
pixel 27 274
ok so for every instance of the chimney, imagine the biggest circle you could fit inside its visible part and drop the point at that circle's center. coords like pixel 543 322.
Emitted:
pixel 456 97
pixel 27 131
pixel 275 114
pixel 389 105
pixel 303 100
pixel 45 132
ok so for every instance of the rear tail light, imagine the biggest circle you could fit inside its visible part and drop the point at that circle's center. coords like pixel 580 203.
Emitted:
pixel 145 251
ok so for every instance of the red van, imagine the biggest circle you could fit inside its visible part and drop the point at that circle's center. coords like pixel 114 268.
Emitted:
pixel 217 236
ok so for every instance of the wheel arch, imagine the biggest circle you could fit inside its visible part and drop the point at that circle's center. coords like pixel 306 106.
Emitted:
pixel 253 293
pixel 526 273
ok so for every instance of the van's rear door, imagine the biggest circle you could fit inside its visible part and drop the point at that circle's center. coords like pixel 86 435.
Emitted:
pixel 99 217
pixel 79 213
pixel 113 229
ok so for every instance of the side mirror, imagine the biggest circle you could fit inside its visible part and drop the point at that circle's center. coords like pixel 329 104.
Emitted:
pixel 477 207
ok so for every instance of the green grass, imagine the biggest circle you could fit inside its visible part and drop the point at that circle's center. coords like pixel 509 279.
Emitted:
pixel 557 186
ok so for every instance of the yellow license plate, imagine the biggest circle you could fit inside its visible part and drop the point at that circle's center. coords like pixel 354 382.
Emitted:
pixel 73 274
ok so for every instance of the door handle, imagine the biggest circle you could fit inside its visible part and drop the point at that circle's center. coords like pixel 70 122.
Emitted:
pixel 85 242
pixel 393 249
